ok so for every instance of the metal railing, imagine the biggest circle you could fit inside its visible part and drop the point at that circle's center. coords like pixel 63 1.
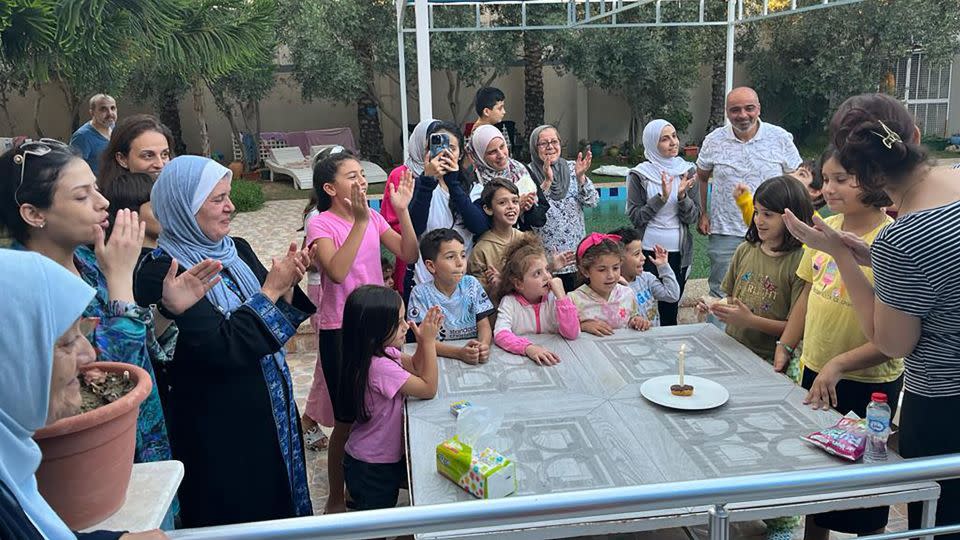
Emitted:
pixel 715 493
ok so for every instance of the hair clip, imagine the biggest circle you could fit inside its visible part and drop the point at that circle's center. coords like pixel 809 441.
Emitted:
pixel 889 138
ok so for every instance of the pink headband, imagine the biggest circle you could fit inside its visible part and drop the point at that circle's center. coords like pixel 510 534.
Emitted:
pixel 594 239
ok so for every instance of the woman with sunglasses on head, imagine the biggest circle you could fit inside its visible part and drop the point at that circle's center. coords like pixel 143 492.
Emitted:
pixel 50 204
pixel 568 191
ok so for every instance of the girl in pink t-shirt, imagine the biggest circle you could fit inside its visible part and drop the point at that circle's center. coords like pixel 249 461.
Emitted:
pixel 532 302
pixel 375 380
pixel 344 241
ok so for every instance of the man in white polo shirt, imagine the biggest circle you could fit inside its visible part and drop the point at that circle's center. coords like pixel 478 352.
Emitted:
pixel 745 150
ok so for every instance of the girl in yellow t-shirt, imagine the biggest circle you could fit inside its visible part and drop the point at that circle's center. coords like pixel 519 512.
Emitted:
pixel 841 368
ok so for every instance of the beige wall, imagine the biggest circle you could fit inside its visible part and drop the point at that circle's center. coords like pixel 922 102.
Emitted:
pixel 578 112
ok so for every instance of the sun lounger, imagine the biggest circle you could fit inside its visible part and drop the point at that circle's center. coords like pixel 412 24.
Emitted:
pixel 289 161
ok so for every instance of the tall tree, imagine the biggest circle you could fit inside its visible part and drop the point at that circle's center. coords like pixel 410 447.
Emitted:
pixel 240 91
pixel 339 47
pixel 468 59
pixel 653 69
pixel 213 38
pixel 812 62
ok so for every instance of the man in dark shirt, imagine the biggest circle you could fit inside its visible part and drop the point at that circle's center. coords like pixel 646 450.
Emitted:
pixel 92 137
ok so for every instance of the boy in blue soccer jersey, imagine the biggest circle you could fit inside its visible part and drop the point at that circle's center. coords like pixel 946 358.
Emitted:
pixel 466 307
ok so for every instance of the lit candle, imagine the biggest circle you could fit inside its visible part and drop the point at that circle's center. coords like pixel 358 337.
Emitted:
pixel 683 354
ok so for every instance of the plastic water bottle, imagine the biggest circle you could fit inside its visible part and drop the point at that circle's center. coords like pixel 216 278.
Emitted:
pixel 878 428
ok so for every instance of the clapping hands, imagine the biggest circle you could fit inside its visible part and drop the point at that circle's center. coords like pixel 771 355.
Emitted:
pixel 285 273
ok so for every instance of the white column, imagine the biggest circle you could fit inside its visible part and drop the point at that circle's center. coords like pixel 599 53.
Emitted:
pixel 423 59
pixel 731 32
pixel 404 114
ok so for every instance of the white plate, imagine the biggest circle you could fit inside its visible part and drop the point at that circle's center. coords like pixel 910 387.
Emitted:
pixel 706 393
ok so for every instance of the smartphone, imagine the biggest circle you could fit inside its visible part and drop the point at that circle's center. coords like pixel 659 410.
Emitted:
pixel 438 143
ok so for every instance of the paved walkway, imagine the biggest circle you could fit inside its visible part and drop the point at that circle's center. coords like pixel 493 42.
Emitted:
pixel 270 231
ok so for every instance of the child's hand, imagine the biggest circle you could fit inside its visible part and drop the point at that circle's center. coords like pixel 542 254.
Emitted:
pixel 556 287
pixel 781 358
pixel 484 352
pixel 470 353
pixel 493 277
pixel 660 256
pixel 596 327
pixel 428 329
pixel 639 322
pixel 541 355
pixel 733 312
pixel 401 196
pixel 740 189
pixel 357 203
pixel 823 391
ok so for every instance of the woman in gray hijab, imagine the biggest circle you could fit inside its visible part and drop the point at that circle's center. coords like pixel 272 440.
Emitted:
pixel 568 191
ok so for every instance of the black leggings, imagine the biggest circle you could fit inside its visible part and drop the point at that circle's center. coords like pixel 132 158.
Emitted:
pixel 668 310
pixel 927 429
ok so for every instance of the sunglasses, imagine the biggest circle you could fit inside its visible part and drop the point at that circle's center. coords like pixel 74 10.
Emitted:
pixel 33 148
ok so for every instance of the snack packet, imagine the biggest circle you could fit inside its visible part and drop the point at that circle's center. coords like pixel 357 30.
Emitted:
pixel 458 406
pixel 847 438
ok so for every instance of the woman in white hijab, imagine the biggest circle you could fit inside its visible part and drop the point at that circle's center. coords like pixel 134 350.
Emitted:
pixel 43 342
pixel 490 158
pixel 658 205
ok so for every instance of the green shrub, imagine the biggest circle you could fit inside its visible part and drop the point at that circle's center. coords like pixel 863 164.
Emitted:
pixel 247 196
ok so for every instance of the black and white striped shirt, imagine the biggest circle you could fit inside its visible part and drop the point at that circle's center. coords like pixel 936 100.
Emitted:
pixel 916 269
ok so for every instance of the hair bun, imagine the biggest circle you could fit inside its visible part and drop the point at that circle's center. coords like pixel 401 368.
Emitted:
pixel 872 134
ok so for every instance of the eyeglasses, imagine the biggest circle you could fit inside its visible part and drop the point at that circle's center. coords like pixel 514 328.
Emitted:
pixel 33 148
pixel 545 144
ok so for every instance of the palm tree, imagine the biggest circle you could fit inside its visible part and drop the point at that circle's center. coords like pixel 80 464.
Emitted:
pixel 213 39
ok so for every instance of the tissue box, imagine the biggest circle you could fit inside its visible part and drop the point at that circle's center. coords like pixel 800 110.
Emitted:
pixel 488 475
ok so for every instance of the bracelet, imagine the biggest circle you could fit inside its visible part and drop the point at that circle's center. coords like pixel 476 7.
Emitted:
pixel 786 347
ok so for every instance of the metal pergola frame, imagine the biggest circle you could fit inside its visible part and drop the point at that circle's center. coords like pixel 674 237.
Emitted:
pixel 595 14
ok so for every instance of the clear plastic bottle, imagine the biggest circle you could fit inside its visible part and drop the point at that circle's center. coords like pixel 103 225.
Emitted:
pixel 878 428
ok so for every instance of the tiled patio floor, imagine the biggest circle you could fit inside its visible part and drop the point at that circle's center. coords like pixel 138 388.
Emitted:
pixel 271 230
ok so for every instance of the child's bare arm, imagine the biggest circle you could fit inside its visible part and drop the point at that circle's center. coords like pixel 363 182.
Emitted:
pixel 424 383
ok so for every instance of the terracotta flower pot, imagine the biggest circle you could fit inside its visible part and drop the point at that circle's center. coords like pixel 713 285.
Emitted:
pixel 88 458
pixel 691 151
pixel 236 167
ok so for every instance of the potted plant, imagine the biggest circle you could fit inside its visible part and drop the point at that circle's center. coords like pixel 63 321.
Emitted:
pixel 613 151
pixel 596 147
pixel 88 458
pixel 955 139
pixel 691 150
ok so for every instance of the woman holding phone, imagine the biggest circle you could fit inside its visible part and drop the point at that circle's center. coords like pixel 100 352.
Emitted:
pixel 659 208
pixel 441 198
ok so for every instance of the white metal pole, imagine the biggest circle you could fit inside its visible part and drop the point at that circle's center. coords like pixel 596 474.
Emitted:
pixel 731 36
pixel 404 113
pixel 423 59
